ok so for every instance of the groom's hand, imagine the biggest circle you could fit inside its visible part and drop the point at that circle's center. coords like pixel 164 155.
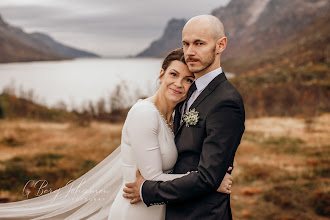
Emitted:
pixel 226 183
pixel 133 189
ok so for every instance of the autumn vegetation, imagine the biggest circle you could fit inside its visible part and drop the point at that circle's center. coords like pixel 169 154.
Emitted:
pixel 302 91
pixel 25 105
pixel 281 168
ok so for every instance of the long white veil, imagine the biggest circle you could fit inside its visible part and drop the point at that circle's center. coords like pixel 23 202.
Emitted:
pixel 88 197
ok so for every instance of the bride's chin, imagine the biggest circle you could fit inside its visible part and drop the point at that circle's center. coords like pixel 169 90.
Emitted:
pixel 174 98
pixel 177 101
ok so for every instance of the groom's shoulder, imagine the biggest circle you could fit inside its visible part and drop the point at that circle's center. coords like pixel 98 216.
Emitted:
pixel 227 91
pixel 226 95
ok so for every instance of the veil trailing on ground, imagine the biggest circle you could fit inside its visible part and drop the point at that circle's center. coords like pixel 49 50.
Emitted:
pixel 88 197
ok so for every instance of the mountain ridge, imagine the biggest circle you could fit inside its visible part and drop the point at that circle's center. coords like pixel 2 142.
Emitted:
pixel 19 46
pixel 170 38
pixel 257 28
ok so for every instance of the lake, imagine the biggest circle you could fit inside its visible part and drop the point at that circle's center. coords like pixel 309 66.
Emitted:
pixel 76 82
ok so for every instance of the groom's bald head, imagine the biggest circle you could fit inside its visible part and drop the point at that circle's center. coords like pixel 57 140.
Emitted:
pixel 207 22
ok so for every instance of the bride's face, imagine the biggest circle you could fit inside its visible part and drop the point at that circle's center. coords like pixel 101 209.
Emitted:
pixel 175 81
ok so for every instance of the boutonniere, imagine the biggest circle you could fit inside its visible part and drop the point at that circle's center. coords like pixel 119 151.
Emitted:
pixel 191 117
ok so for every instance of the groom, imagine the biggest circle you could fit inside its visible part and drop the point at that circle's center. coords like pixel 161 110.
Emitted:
pixel 206 148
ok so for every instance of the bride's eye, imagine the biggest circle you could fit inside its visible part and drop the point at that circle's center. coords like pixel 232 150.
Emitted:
pixel 189 80
pixel 173 74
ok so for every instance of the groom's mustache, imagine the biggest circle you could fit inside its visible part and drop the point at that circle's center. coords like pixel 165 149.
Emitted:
pixel 192 60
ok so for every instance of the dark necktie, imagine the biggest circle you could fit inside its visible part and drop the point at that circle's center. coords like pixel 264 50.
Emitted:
pixel 190 92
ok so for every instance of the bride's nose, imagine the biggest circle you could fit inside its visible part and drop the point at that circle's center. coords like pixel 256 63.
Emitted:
pixel 178 83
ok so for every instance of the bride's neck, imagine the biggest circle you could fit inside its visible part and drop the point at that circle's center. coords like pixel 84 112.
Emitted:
pixel 165 106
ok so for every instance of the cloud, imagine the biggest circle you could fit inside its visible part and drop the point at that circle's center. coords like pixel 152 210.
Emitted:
pixel 106 27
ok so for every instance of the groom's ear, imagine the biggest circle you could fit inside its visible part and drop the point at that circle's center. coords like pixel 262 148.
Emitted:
pixel 221 45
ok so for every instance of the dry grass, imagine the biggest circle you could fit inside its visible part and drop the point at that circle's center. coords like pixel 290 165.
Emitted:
pixel 56 152
pixel 281 167
pixel 282 170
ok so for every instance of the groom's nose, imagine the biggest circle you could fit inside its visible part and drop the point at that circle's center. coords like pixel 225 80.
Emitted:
pixel 190 51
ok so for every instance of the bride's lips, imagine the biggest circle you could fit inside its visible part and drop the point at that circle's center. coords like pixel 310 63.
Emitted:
pixel 176 91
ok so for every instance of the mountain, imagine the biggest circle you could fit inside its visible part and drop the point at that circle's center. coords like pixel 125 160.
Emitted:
pixel 49 44
pixel 265 33
pixel 171 39
pixel 18 46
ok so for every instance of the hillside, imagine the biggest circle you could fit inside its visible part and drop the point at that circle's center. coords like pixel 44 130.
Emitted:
pixel 302 91
pixel 263 34
pixel 12 107
pixel 48 44
pixel 281 169
pixel 171 38
pixel 19 46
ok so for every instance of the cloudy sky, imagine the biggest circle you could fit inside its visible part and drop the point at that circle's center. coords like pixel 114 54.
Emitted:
pixel 106 27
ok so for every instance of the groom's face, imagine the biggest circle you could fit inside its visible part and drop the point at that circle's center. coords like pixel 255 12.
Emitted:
pixel 199 48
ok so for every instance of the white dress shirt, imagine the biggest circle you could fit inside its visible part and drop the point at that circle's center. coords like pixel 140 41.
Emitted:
pixel 201 84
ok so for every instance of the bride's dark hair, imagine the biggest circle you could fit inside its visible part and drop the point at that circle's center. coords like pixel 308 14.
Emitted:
pixel 176 54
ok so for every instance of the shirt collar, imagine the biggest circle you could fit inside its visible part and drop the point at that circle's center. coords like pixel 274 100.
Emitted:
pixel 204 80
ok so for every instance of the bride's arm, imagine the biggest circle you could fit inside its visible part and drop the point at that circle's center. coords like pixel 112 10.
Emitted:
pixel 142 129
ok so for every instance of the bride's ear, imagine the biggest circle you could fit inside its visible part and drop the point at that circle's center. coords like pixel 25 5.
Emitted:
pixel 161 74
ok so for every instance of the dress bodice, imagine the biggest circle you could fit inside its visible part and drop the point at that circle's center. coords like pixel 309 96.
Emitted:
pixel 147 143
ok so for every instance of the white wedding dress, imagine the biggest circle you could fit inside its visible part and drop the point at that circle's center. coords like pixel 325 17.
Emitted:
pixel 147 144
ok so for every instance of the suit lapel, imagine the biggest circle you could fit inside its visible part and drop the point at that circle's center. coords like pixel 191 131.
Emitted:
pixel 207 91
pixel 209 88
pixel 179 128
pixel 177 117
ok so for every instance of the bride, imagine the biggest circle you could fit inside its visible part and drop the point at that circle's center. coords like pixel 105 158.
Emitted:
pixel 147 144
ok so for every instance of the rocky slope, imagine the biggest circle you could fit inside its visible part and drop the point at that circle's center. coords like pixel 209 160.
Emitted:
pixel 18 46
pixel 260 32
pixel 171 39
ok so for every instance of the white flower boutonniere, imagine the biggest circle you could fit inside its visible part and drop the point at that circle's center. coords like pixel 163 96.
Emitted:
pixel 191 117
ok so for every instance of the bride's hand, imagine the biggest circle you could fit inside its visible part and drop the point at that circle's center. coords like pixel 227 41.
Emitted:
pixel 226 183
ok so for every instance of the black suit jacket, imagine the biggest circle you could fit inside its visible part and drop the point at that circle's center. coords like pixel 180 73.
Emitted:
pixel 207 149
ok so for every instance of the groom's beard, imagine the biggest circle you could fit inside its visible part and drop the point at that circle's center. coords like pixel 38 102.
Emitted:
pixel 204 63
